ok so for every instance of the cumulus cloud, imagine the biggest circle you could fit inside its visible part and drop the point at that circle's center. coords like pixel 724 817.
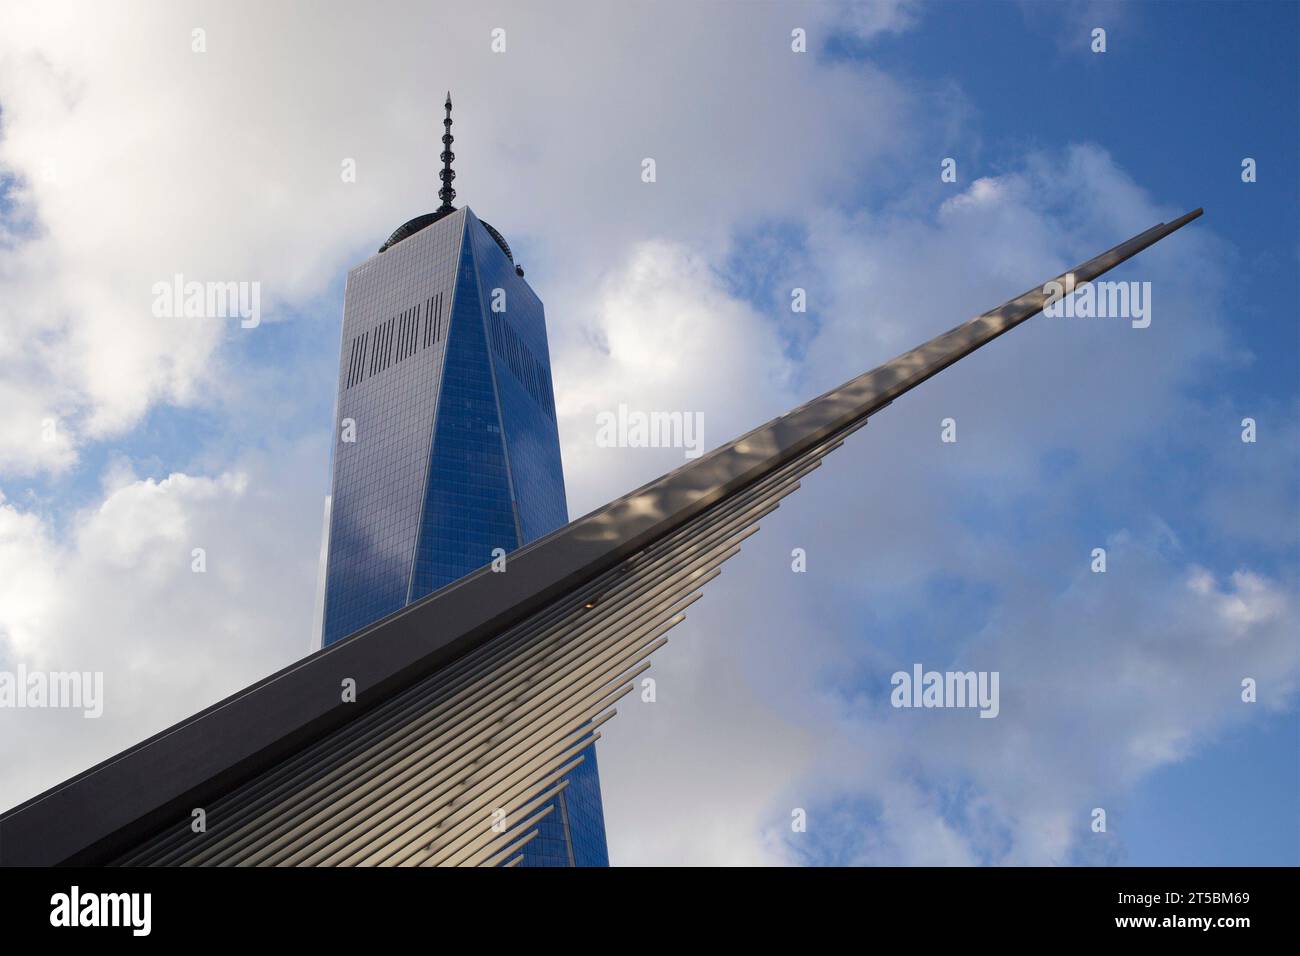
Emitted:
pixel 227 165
pixel 1153 641
pixel 663 334
pixel 116 592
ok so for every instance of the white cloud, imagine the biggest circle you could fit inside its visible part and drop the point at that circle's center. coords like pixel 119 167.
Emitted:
pixel 662 335
pixel 868 20
pixel 135 159
pixel 984 191
pixel 117 594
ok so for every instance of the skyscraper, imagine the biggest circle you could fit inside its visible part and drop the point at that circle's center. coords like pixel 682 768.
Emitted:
pixel 448 454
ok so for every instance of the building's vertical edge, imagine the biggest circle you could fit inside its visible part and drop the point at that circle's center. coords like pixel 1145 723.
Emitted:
pixel 324 570
pixel 484 305
pixel 441 380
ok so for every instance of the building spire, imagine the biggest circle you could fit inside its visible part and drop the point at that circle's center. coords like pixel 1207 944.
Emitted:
pixel 446 193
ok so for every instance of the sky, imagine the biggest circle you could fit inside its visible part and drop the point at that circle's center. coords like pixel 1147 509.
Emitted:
pixel 127 157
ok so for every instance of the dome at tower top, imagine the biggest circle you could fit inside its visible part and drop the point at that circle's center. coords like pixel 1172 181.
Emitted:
pixel 412 226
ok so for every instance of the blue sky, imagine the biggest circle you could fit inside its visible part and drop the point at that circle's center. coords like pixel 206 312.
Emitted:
pixel 1181 95
pixel 777 170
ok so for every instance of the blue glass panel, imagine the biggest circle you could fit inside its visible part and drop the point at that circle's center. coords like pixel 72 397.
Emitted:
pixel 521 360
pixel 467 506
pixel 551 845
pixel 587 813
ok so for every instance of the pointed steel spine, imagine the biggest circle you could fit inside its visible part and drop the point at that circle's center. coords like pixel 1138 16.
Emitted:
pixel 446 193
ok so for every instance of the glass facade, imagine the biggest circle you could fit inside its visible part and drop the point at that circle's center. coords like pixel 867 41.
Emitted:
pixel 447 449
